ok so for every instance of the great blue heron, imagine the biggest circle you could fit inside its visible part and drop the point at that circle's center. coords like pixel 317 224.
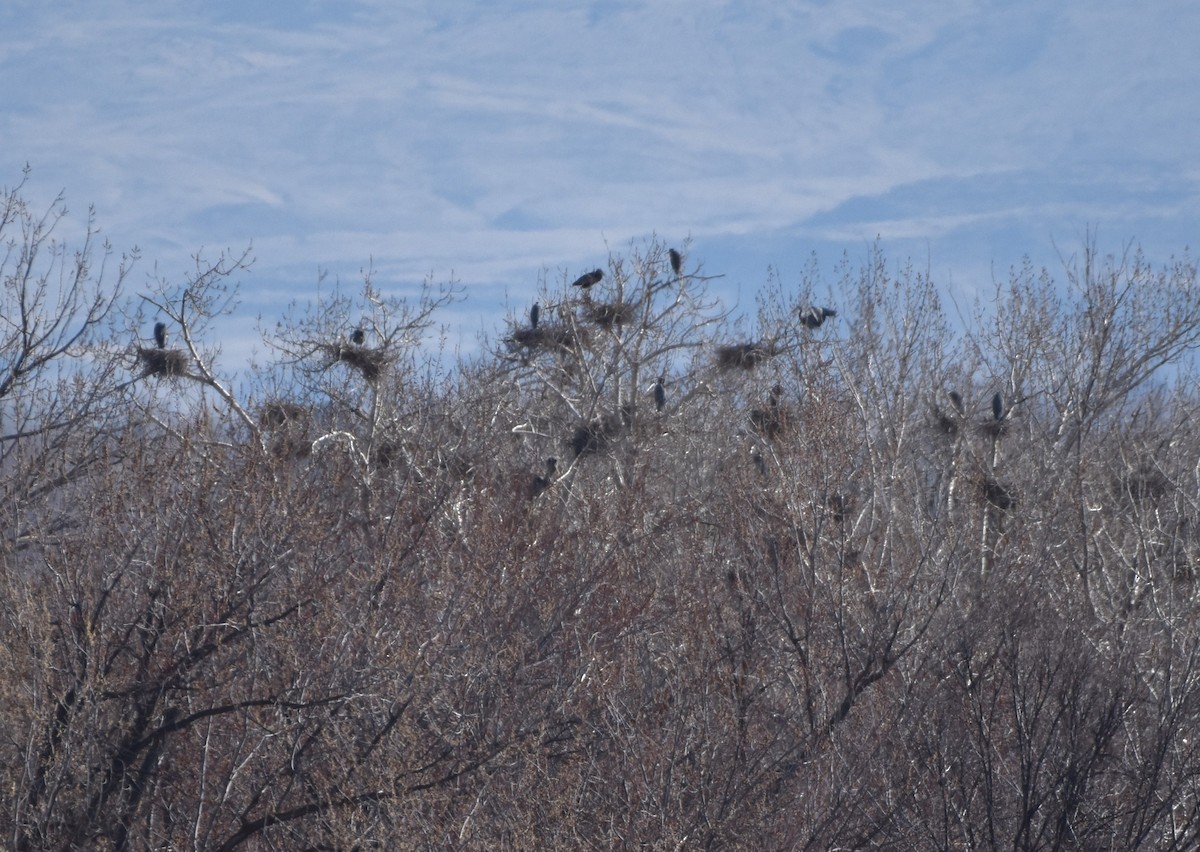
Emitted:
pixel 160 335
pixel 534 313
pixel 588 279
pixel 770 421
pixel 541 483
pixel 358 336
pixel 660 394
pixel 998 407
pixel 815 317
pixel 676 262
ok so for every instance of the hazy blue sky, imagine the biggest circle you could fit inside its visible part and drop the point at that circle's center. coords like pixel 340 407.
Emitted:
pixel 494 140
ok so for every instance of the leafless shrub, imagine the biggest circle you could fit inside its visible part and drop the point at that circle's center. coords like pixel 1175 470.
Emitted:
pixel 863 635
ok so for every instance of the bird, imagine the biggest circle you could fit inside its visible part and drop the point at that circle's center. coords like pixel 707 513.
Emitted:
pixel 588 279
pixel 770 422
pixel 956 400
pixel 660 394
pixel 534 313
pixel 541 483
pixel 358 336
pixel 160 335
pixel 814 317
pixel 676 262
pixel 998 407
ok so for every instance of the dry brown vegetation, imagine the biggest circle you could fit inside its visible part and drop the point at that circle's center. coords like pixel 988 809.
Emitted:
pixel 334 613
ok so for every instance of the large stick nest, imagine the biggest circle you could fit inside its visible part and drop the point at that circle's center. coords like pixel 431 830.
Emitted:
pixel 597 435
pixel 607 315
pixel 744 356
pixel 548 336
pixel 366 360
pixel 162 362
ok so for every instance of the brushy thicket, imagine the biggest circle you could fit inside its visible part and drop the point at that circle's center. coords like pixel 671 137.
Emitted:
pixel 814 601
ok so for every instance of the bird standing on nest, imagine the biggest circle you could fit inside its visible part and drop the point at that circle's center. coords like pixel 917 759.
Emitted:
pixel 358 336
pixel 998 407
pixel 534 313
pixel 160 335
pixel 588 279
pixel 676 262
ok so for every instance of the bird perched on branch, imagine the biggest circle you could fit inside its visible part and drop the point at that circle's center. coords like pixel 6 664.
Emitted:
pixel 358 336
pixel 534 313
pixel 588 279
pixel 541 483
pixel 676 262
pixel 998 407
pixel 660 394
pixel 815 317
pixel 160 335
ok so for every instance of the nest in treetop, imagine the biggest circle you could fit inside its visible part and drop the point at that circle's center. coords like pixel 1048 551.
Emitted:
pixel 745 356
pixel 546 336
pixel 607 315
pixel 278 413
pixel 370 362
pixel 597 435
pixel 162 362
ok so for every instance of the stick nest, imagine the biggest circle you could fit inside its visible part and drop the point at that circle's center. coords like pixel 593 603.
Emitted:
pixel 597 435
pixel 547 336
pixel 366 360
pixel 607 315
pixel 744 356
pixel 162 362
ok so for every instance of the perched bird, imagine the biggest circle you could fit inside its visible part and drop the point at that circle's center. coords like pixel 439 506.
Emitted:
pixel 676 262
pixel 358 336
pixel 998 407
pixel 541 483
pixel 951 422
pixel 814 317
pixel 770 421
pixel 160 335
pixel 534 313
pixel 588 279
pixel 759 464
pixel 660 394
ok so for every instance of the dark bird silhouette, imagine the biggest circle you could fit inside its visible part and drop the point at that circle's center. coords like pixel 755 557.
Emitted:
pixel 660 394
pixel 950 423
pixel 534 313
pixel 588 279
pixel 541 483
pixel 815 317
pixel 770 421
pixel 998 407
pixel 997 494
pixel 160 335
pixel 358 336
pixel 676 262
